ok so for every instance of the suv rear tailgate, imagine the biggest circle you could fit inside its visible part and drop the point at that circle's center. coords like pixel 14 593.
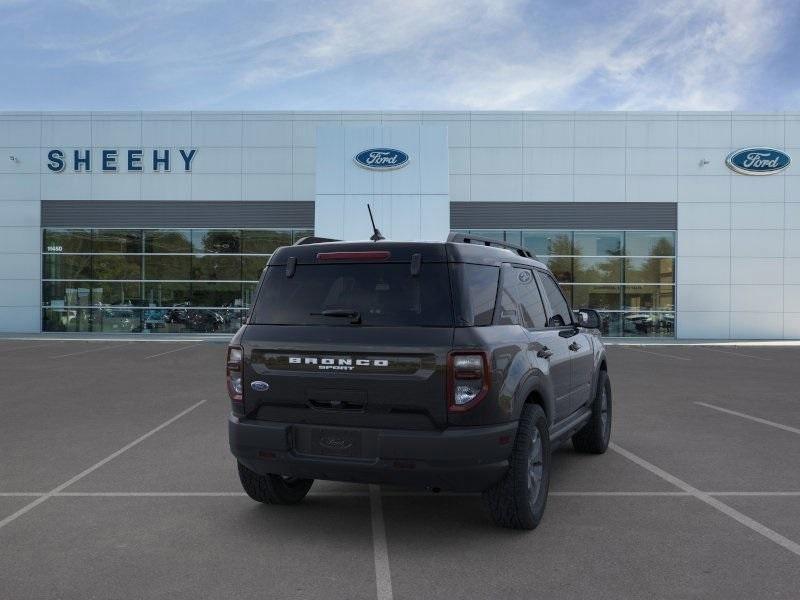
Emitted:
pixel 352 376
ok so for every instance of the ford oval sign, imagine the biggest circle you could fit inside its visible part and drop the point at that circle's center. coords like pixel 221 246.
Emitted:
pixel 758 161
pixel 381 159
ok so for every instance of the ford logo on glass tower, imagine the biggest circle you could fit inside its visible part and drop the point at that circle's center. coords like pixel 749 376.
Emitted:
pixel 381 159
pixel 758 161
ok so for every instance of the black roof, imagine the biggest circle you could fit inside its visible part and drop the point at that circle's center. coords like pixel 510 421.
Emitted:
pixel 401 252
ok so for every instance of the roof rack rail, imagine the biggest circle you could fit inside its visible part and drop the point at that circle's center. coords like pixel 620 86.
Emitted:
pixel 466 238
pixel 310 239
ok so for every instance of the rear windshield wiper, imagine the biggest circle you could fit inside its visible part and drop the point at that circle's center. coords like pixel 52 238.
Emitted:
pixel 353 315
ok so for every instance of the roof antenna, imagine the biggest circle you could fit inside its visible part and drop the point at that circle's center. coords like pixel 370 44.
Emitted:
pixel 376 236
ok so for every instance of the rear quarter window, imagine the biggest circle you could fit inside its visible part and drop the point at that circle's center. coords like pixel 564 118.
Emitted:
pixel 475 290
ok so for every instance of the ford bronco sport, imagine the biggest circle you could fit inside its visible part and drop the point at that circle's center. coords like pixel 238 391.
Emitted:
pixel 455 365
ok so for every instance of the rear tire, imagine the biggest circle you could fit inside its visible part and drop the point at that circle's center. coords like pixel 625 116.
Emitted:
pixel 273 489
pixel 595 435
pixel 518 500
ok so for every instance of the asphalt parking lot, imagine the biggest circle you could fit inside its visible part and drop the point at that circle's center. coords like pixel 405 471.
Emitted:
pixel 116 482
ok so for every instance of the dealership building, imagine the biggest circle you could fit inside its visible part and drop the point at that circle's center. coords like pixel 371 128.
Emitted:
pixel 670 224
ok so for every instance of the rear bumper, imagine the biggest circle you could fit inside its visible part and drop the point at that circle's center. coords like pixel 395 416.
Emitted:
pixel 458 458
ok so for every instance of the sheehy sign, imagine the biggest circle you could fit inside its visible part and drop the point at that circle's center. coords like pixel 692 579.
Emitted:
pixel 134 160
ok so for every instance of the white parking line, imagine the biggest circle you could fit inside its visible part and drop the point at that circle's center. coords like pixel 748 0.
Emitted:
pixel 171 351
pixel 657 353
pixel 743 354
pixel 397 494
pixel 751 418
pixel 30 506
pixel 383 576
pixel 91 350
pixel 734 514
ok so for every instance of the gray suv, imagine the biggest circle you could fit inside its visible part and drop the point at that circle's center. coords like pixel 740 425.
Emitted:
pixel 455 365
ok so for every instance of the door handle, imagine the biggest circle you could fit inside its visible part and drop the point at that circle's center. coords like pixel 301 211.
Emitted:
pixel 544 352
pixel 574 346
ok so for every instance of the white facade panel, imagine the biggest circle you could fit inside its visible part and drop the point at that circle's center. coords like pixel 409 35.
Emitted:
pixel 270 186
pixel 704 242
pixel 26 160
pixel 695 133
pixel 757 215
pixel 546 188
pixel 546 133
pixel 20 319
pixel 73 131
pixel 756 243
pixel 704 189
pixel 756 325
pixel 16 186
pixel 599 133
pixel 496 188
pixel 18 240
pixel 548 161
pixel 115 134
pixel 496 161
pixel 166 133
pixel 217 134
pixel 218 186
pixel 20 133
pixel 651 188
pixel 704 297
pixel 651 161
pixel 755 298
pixel 19 292
pixel 758 132
pixel 19 266
pixel 661 133
pixel 268 160
pixel 166 186
pixel 113 186
pixel 599 161
pixel 705 215
pixel 599 188
pixel 19 213
pixel 756 271
pixel 495 134
pixel 758 189
pixel 67 186
pixel 704 270
pixel 791 271
pixel 712 325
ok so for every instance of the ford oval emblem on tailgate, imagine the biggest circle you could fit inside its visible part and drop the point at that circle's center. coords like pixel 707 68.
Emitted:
pixel 259 386
pixel 335 443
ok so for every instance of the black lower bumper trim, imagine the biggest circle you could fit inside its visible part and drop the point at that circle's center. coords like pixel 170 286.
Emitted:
pixel 458 458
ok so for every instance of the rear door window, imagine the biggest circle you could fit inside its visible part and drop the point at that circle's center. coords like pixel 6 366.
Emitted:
pixel 520 301
pixel 382 294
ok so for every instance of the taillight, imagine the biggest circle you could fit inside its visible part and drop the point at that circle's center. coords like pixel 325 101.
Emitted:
pixel 233 372
pixel 468 379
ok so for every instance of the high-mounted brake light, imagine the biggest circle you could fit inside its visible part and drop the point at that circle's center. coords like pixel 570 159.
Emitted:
pixel 233 376
pixel 367 255
pixel 468 379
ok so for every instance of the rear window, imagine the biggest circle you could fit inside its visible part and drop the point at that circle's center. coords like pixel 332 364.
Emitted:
pixel 382 294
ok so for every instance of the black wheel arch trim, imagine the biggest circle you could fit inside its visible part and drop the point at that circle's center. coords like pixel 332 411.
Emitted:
pixel 535 383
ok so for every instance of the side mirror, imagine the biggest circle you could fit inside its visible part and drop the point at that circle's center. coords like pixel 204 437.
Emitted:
pixel 588 318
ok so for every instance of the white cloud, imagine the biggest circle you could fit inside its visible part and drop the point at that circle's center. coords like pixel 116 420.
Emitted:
pixel 459 54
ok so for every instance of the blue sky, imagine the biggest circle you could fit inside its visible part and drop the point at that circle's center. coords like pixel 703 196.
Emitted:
pixel 402 55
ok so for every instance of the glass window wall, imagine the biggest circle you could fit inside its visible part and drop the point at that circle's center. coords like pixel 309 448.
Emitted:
pixel 154 280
